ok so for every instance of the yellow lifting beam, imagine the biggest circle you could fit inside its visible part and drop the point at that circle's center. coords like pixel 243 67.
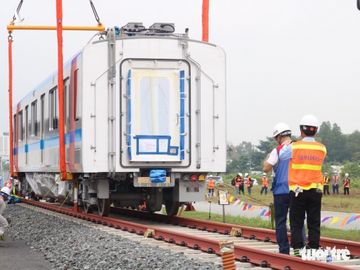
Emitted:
pixel 12 27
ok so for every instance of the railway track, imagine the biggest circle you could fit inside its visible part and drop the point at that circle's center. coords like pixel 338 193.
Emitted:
pixel 251 245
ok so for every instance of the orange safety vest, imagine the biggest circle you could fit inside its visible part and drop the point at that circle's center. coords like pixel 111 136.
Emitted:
pixel 211 184
pixel 306 164
pixel 326 180
pixel 265 182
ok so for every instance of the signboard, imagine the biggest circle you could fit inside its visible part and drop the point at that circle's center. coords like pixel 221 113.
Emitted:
pixel 223 197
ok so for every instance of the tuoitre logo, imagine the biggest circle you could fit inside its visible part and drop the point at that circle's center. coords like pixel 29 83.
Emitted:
pixel 325 254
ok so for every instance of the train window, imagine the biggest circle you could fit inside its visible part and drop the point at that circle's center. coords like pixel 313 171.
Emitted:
pixel 53 120
pixel 42 114
pixel 33 123
pixel 76 92
pixel 15 129
pixel 26 122
pixel 66 100
pixel 21 127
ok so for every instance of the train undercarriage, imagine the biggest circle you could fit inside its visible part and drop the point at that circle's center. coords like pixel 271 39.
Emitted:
pixel 97 193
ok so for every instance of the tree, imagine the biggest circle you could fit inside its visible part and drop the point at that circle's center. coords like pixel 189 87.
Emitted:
pixel 243 158
pixel 334 140
pixel 266 146
pixel 353 168
pixel 353 146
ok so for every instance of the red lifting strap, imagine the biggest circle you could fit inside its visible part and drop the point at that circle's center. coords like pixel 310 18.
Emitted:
pixel 59 30
pixel 205 20
pixel 10 41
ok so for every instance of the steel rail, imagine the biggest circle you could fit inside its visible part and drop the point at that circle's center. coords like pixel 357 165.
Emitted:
pixel 245 254
pixel 244 231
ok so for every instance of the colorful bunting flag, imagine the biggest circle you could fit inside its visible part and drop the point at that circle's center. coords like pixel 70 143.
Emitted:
pixel 325 219
pixel 334 220
pixel 231 199
pixel 237 202
pixel 344 221
pixel 353 218
pixel 245 206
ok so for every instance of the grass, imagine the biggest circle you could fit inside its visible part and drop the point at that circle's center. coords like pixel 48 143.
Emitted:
pixel 250 222
pixel 353 235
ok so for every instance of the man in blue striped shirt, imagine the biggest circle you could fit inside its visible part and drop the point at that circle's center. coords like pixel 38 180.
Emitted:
pixel 280 187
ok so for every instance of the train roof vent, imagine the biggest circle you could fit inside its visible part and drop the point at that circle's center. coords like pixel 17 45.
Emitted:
pixel 133 27
pixel 166 28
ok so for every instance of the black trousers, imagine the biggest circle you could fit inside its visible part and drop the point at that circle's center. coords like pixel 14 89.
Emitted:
pixel 326 190
pixel 309 202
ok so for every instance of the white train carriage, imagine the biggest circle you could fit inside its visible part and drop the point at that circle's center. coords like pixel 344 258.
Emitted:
pixel 144 121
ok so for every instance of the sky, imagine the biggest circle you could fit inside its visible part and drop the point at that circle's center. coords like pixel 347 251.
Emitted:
pixel 285 58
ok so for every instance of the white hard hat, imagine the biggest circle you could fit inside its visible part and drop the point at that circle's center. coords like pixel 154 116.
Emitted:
pixel 6 190
pixel 281 128
pixel 264 174
pixel 309 120
pixel 240 174
pixel 346 174
pixel 246 174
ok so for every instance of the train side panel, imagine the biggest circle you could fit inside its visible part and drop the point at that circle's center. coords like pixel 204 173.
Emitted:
pixel 36 144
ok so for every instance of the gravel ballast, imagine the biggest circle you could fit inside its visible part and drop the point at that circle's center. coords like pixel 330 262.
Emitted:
pixel 68 245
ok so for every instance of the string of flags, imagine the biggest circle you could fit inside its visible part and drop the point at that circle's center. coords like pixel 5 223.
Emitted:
pixel 344 221
pixel 264 211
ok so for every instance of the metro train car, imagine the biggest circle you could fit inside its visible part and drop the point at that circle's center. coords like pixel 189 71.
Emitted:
pixel 145 122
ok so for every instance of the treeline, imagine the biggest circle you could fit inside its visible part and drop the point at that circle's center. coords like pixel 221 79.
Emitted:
pixel 343 150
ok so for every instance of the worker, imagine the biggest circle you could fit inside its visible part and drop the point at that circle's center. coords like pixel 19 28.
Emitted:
pixel 305 184
pixel 326 184
pixel 264 184
pixel 249 183
pixel 4 196
pixel 280 187
pixel 238 183
pixel 335 183
pixel 346 184
pixel 211 186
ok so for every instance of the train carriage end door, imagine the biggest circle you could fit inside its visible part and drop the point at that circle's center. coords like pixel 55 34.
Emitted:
pixel 157 103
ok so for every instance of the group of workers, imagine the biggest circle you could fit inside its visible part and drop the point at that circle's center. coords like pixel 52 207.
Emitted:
pixel 239 182
pixel 334 181
pixel 297 185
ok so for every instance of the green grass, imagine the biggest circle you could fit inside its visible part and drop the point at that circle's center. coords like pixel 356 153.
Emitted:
pixel 353 235
pixel 250 222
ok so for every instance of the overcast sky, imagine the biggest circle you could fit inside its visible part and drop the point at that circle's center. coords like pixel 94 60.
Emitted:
pixel 286 58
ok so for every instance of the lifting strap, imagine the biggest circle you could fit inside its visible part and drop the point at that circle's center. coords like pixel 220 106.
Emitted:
pixel 10 41
pixel 59 30
pixel 17 13
pixel 95 12
pixel 205 20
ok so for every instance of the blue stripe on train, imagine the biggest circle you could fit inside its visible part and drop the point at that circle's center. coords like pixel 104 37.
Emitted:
pixel 73 136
